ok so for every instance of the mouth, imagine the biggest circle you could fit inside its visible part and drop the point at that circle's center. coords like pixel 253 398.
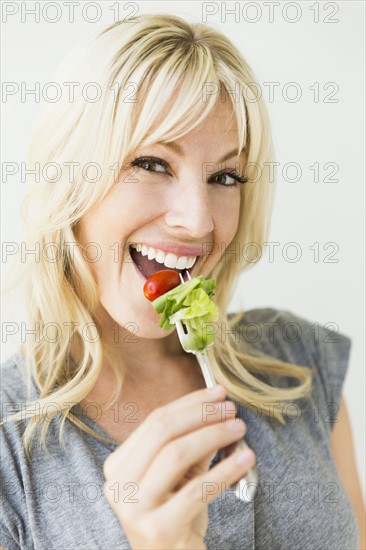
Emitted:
pixel 149 260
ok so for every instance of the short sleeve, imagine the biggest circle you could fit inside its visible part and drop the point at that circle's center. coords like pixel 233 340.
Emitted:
pixel 294 339
pixel 328 350
pixel 334 350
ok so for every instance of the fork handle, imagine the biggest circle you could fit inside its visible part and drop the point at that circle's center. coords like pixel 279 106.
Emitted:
pixel 246 487
pixel 206 369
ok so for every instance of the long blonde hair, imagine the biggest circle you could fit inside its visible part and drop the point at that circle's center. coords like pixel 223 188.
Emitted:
pixel 139 65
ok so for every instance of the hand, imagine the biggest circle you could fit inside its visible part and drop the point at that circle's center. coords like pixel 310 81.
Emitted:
pixel 162 470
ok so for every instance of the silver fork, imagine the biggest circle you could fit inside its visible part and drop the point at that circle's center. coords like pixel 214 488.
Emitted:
pixel 245 488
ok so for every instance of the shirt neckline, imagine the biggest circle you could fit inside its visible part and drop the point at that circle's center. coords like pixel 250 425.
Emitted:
pixel 112 443
pixel 79 412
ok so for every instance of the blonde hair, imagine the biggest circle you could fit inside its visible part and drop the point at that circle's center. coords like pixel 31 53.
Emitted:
pixel 152 58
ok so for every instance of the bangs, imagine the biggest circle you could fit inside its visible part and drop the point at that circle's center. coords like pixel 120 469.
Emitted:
pixel 176 94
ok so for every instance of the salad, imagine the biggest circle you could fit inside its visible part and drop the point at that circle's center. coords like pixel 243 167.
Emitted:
pixel 189 302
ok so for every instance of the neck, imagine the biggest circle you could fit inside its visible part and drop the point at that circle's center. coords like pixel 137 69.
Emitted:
pixel 149 364
pixel 132 347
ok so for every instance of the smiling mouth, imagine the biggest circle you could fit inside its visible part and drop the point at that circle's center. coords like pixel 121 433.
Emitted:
pixel 149 267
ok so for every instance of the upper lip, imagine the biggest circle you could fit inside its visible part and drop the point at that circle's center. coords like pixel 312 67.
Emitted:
pixel 173 248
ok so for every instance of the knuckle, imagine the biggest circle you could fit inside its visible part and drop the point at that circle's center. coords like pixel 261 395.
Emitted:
pixel 175 452
pixel 159 418
pixel 127 515
pixel 152 530
pixel 194 491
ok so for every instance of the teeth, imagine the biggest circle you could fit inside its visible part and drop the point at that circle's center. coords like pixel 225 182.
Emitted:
pixel 190 263
pixel 171 260
pixel 160 257
pixel 151 254
pixel 168 259
pixel 182 262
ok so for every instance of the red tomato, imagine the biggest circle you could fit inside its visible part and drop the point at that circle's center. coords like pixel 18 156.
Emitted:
pixel 161 282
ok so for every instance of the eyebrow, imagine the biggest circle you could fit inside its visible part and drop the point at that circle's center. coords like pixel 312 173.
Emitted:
pixel 179 151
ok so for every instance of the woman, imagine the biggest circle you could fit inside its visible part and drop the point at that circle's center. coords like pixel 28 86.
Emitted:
pixel 167 159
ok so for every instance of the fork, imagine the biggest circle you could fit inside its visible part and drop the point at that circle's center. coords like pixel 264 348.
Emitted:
pixel 245 488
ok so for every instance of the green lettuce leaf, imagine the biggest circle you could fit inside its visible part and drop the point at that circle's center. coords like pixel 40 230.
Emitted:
pixel 191 303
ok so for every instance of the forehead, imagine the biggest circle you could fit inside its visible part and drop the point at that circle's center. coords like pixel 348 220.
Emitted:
pixel 183 116
pixel 220 121
pixel 221 117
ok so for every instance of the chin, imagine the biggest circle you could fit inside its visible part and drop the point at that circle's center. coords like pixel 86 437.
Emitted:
pixel 132 325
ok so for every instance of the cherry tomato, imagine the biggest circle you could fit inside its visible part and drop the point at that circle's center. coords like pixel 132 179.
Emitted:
pixel 161 282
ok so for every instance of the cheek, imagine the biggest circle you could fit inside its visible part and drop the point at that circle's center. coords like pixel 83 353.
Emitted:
pixel 226 210
pixel 122 211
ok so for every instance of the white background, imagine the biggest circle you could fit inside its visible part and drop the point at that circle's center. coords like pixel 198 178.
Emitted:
pixel 305 132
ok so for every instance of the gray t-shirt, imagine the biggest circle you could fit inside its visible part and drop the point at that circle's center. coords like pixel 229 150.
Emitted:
pixel 57 502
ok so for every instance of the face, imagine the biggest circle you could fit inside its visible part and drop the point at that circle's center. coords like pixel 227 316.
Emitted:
pixel 182 202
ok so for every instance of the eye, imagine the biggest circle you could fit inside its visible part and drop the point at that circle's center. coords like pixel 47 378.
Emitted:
pixel 146 162
pixel 231 175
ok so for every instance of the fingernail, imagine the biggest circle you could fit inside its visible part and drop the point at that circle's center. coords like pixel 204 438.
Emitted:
pixel 235 425
pixel 243 457
pixel 215 390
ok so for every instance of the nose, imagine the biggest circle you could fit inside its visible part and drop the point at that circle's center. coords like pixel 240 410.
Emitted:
pixel 190 207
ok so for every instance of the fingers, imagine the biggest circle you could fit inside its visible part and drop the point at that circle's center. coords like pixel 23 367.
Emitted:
pixel 192 499
pixel 161 426
pixel 183 455
pixel 165 460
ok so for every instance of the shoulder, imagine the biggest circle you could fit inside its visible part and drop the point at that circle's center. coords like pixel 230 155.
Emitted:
pixel 13 377
pixel 13 397
pixel 278 333
pixel 14 523
pixel 290 337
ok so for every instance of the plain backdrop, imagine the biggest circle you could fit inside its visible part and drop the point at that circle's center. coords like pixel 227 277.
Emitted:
pixel 313 54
